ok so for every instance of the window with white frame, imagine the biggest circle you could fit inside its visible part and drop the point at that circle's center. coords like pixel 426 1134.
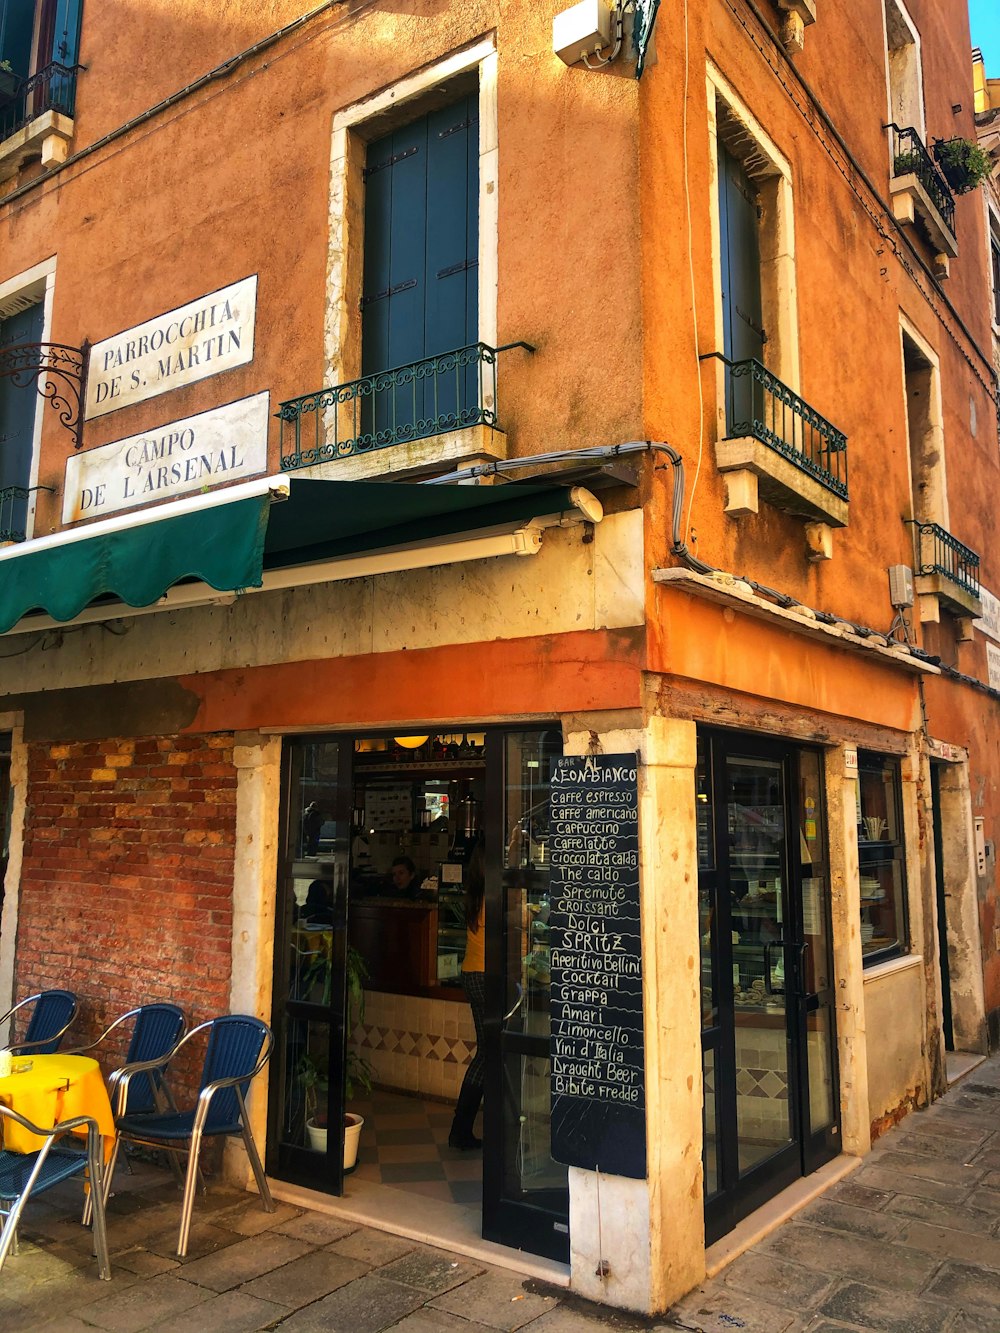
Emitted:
pixel 905 77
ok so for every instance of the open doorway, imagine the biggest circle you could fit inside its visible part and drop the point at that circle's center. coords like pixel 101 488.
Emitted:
pixel 380 836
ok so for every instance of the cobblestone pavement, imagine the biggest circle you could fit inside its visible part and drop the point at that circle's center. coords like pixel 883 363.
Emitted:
pixel 910 1243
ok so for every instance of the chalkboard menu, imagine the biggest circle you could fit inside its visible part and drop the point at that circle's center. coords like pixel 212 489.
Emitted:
pixel 598 1093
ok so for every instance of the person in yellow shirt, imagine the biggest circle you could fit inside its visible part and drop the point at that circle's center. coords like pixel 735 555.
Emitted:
pixel 474 984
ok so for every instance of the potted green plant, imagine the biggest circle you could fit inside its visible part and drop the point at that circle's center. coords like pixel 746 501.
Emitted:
pixel 313 1075
pixel 9 82
pixel 963 163
pixel 906 162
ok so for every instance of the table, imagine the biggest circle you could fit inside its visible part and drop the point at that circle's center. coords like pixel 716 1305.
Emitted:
pixel 55 1088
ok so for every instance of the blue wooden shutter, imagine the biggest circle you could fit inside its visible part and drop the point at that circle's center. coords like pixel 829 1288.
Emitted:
pixel 420 288
pixel 17 28
pixel 17 423
pixel 742 318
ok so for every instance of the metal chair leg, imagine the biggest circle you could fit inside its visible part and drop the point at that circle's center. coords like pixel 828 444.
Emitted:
pixel 109 1175
pixel 258 1169
pixel 95 1153
pixel 187 1207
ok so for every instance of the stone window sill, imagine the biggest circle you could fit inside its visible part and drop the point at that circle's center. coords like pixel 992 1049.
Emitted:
pixel 48 137
pixel 416 458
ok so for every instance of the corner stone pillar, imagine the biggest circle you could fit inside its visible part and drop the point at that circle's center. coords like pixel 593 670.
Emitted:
pixel 848 966
pixel 258 768
pixel 640 1244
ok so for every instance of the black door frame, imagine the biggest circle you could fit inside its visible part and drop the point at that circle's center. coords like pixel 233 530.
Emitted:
pixel 532 1226
pixel 541 1224
pixel 286 1160
pixel 738 1197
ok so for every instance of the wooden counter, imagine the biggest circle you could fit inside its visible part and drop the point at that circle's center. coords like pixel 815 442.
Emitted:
pixel 397 938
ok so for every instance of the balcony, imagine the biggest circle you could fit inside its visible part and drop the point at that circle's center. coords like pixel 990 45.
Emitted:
pixel 947 575
pixel 920 191
pixel 441 410
pixel 779 447
pixel 36 118
pixel 14 512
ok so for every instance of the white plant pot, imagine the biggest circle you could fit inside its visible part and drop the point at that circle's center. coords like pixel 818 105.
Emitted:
pixel 317 1136
pixel 352 1134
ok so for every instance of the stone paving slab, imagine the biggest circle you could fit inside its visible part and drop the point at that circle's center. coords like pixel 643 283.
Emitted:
pixel 944 1243
pixel 367 1305
pixel 853 1220
pixel 721 1310
pixel 305 1280
pixel 968 1287
pixel 436 1321
pixel 496 1299
pixel 146 1305
pixel 232 1312
pixel 956 1216
pixel 885 1265
pixel 868 1308
pixel 246 1259
pixel 765 1277
pixel 373 1247
pixel 431 1271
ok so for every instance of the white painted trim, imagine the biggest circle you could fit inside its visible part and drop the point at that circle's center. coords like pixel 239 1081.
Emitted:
pixel 891 966
pixel 359 122
pixel 935 410
pixel 914 32
pixel 12 881
pixel 37 282
pixel 777 246
pixel 414 85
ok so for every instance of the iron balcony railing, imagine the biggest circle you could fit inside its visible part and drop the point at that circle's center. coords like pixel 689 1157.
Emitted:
pixel 411 402
pixel 910 157
pixel 759 405
pixel 51 89
pixel 14 511
pixel 941 553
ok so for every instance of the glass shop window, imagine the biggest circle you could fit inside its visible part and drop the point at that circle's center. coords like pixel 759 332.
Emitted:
pixel 882 858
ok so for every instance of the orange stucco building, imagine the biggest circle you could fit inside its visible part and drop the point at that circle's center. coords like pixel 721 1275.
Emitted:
pixel 410 418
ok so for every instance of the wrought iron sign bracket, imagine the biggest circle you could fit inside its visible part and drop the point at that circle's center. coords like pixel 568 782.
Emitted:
pixel 65 377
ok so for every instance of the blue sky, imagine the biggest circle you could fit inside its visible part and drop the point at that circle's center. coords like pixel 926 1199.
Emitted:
pixel 984 16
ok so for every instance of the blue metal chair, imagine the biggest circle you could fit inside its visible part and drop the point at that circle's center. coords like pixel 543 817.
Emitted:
pixel 24 1174
pixel 53 1012
pixel 239 1047
pixel 156 1031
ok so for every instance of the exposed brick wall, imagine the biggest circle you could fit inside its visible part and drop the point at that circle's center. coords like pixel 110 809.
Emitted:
pixel 127 877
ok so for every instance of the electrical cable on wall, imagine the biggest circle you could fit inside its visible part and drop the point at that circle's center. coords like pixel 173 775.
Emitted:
pixel 691 274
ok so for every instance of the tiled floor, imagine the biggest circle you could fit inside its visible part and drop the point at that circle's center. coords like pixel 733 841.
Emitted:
pixel 404 1145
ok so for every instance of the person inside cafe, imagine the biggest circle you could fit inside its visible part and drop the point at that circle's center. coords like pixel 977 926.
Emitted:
pixel 318 907
pixel 470 1094
pixel 404 877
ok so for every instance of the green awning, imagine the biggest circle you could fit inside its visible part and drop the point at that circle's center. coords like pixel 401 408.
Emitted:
pixel 228 545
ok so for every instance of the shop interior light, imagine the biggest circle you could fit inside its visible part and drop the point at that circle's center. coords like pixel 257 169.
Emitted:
pixel 411 742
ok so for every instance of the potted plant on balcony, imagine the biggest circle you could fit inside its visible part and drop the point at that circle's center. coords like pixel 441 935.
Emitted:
pixel 9 82
pixel 313 1074
pixel 963 163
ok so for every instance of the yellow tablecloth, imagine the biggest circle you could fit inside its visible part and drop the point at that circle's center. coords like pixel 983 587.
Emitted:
pixel 55 1088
